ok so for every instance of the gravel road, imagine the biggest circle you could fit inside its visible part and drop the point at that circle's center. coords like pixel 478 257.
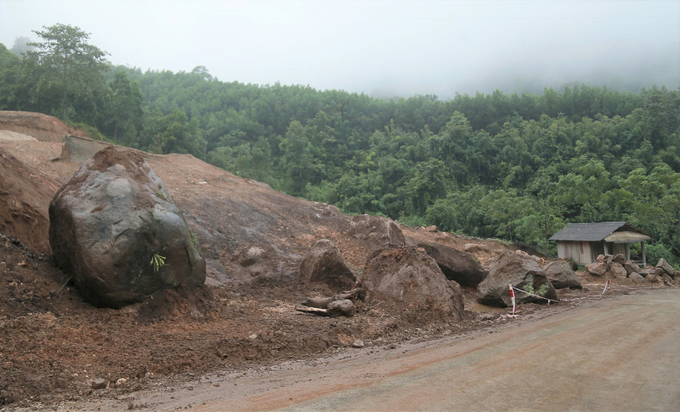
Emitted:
pixel 619 353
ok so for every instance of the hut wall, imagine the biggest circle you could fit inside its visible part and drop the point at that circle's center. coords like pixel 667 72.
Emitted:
pixel 579 252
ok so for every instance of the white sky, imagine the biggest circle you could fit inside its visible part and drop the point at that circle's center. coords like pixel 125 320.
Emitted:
pixel 380 47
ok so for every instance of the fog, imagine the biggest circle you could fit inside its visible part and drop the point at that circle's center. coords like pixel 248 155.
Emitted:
pixel 382 48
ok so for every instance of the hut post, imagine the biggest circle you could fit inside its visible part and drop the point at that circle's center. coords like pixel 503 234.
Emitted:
pixel 644 258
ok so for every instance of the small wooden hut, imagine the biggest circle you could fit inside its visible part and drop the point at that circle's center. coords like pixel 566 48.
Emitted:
pixel 583 242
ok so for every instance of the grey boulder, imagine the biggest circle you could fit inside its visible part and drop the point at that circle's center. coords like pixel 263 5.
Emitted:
pixel 462 267
pixel 519 271
pixel 324 263
pixel 117 232
pixel 561 275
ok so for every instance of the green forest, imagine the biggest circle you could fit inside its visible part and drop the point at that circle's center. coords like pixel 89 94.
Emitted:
pixel 517 167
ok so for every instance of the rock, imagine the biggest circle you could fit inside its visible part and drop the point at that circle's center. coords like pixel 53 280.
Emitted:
pixel 324 263
pixel 670 270
pixel 667 280
pixel 117 232
pixel 616 271
pixel 636 277
pixel 659 272
pixel 652 279
pixel 251 256
pixel 413 281
pixel 99 383
pixel 343 307
pixel 476 247
pixel 561 276
pixel 597 268
pixel 462 267
pixel 488 316
pixel 320 303
pixel 519 271
pixel 646 271
pixel 631 267
pixel 380 231
pixel 121 382
pixel 253 336
pixel 358 343
pixel 620 259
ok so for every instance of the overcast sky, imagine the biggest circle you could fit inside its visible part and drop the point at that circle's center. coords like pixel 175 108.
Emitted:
pixel 381 48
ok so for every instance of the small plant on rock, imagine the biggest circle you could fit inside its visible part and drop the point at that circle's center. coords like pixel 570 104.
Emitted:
pixel 157 261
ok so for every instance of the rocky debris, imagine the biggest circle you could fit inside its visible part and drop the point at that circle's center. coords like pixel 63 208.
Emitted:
pixel 620 259
pixel 659 272
pixel 667 280
pixel 250 255
pixel 517 270
pixel 358 343
pixel 537 259
pixel 380 231
pixel 561 275
pixel 321 303
pixel 456 265
pixel 25 195
pixel 608 266
pixel 476 247
pixel 636 277
pixel 631 267
pixel 99 383
pixel 412 280
pixel 670 270
pixel 646 271
pixel 616 271
pixel 121 382
pixel 652 279
pixel 344 307
pixel 324 263
pixel 117 232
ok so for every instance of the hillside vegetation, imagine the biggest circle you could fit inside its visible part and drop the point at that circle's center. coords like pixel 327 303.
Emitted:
pixel 516 167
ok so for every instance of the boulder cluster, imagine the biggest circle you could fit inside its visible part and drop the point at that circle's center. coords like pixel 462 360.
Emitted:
pixel 524 272
pixel 617 267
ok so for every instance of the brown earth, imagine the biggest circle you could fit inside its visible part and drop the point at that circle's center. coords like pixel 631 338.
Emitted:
pixel 41 126
pixel 52 344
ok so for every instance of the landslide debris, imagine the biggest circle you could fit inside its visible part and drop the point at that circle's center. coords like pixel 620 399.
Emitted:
pixel 411 280
pixel 456 265
pixel 25 195
pixel 520 271
pixel 116 231
pixel 324 263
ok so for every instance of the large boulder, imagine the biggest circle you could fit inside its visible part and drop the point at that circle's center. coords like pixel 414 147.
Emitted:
pixel 616 271
pixel 456 265
pixel 519 271
pixel 379 231
pixel 631 267
pixel 117 232
pixel 597 268
pixel 324 263
pixel 412 280
pixel 561 275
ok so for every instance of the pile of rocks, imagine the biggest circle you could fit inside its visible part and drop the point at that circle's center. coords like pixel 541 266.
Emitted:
pixel 617 267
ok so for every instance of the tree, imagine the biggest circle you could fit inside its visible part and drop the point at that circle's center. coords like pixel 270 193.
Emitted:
pixel 67 62
pixel 22 45
pixel 125 108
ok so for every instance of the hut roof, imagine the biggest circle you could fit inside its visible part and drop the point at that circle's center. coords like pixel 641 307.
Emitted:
pixel 596 232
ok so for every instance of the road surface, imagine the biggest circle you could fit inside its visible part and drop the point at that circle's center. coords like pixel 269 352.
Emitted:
pixel 613 354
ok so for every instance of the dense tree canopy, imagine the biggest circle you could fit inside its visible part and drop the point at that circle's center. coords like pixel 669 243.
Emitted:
pixel 517 167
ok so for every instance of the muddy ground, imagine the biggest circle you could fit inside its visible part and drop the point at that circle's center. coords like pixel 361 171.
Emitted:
pixel 53 345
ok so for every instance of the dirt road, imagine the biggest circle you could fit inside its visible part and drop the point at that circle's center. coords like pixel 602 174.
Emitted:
pixel 619 353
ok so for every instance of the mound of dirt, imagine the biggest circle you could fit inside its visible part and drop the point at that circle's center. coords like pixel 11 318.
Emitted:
pixel 115 229
pixel 40 126
pixel 413 281
pixel 25 195
pixel 8 135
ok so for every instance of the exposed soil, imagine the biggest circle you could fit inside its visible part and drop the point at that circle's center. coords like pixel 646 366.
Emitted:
pixel 40 126
pixel 53 345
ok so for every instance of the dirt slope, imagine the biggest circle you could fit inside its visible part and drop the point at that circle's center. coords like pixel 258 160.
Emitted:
pixel 41 126
pixel 25 195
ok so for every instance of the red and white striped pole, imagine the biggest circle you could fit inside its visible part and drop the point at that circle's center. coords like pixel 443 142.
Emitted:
pixel 512 296
pixel 606 287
